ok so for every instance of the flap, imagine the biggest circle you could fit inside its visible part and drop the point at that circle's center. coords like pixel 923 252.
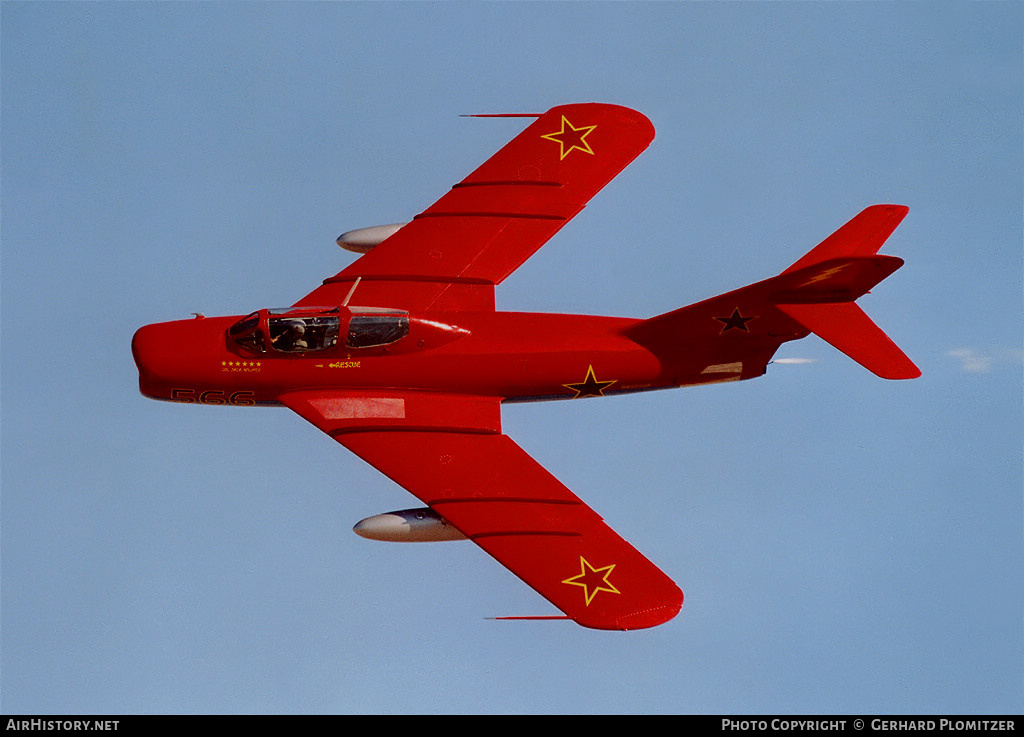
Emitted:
pixel 337 412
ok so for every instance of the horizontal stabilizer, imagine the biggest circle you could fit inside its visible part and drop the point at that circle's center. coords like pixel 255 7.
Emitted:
pixel 846 327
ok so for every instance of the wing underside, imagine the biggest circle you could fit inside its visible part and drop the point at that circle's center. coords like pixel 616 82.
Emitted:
pixel 489 488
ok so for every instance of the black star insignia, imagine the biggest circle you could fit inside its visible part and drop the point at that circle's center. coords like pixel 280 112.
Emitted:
pixel 589 387
pixel 735 321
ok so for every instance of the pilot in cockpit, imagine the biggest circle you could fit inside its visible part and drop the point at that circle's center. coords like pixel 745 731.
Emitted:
pixel 292 338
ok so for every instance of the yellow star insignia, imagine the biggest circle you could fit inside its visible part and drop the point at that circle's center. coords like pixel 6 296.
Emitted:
pixel 590 386
pixel 571 138
pixel 593 580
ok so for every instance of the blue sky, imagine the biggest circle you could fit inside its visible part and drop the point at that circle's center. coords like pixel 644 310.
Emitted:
pixel 846 544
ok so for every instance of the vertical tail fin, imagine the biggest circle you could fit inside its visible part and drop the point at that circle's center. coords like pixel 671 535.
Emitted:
pixel 743 328
pixel 862 236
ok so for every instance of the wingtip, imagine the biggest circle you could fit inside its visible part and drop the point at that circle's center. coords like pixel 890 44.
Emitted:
pixel 899 372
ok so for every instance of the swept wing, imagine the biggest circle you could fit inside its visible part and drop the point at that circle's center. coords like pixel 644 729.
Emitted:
pixel 448 451
pixel 453 253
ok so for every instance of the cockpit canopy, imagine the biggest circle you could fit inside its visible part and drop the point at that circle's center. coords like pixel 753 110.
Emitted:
pixel 367 330
pixel 300 330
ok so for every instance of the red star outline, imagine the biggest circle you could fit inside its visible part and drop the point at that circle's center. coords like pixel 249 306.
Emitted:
pixel 571 138
pixel 590 386
pixel 593 580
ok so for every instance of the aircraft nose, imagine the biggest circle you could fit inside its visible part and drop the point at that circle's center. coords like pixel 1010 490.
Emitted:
pixel 149 349
pixel 182 353
pixel 143 345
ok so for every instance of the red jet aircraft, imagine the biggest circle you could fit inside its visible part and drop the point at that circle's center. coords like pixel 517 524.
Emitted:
pixel 403 359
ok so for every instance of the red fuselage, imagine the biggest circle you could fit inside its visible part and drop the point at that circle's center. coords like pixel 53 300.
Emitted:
pixel 514 356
